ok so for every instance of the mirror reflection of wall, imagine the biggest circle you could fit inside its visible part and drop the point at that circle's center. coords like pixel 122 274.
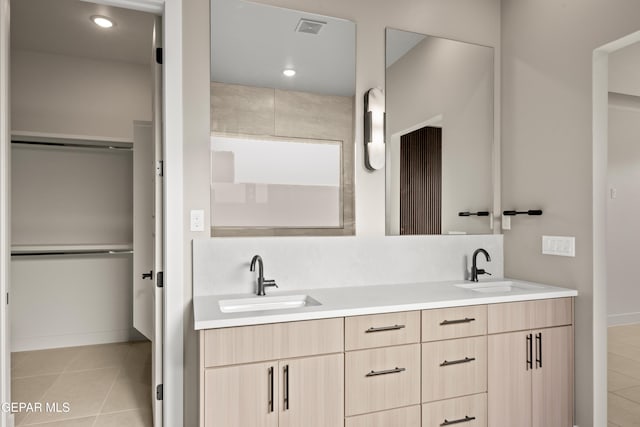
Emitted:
pixel 282 82
pixel 439 96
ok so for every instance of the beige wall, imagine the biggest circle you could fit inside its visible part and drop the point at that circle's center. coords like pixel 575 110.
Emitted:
pixel 547 49
pixel 468 20
pixel 69 95
pixel 623 70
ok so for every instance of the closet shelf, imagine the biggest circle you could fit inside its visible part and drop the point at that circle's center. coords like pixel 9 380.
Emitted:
pixel 71 249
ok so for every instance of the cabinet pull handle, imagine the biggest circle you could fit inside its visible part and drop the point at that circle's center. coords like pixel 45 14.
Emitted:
pixel 466 419
pixel 384 328
pixel 388 371
pixel 529 352
pixel 457 321
pixel 539 350
pixel 286 387
pixel 271 389
pixel 457 362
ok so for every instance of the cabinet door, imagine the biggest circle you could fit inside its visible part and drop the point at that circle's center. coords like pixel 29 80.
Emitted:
pixel 553 378
pixel 312 392
pixel 243 395
pixel 509 380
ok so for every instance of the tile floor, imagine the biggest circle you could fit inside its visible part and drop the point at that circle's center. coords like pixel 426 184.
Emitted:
pixel 624 376
pixel 105 385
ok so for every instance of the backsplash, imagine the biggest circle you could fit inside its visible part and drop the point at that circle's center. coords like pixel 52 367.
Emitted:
pixel 221 265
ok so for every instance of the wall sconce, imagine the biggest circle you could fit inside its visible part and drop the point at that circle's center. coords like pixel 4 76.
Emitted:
pixel 374 129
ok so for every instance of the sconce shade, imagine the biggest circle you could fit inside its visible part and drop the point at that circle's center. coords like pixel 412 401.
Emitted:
pixel 374 129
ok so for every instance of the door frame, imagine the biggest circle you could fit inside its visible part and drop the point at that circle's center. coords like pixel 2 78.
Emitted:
pixel 600 146
pixel 174 246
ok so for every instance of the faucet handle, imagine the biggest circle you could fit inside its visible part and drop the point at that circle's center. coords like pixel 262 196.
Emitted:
pixel 482 271
pixel 269 282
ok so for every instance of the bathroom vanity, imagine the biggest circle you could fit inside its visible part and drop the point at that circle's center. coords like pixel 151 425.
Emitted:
pixel 496 353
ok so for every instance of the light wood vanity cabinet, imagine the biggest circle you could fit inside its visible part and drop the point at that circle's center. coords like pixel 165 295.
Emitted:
pixel 487 365
pixel 294 384
pixel 530 372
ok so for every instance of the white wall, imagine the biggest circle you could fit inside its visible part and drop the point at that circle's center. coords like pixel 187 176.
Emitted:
pixel 623 228
pixel 476 21
pixel 69 95
pixel 623 70
pixel 547 70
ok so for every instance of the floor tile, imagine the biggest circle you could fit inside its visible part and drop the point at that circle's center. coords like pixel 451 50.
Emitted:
pixel 29 390
pixel 617 381
pixel 77 422
pixel 99 356
pixel 139 353
pixel 624 365
pixel 135 418
pixel 623 412
pixel 127 394
pixel 622 348
pixel 139 373
pixel 42 362
pixel 85 391
pixel 632 394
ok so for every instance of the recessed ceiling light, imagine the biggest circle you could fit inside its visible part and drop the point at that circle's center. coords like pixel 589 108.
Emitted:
pixel 289 72
pixel 102 21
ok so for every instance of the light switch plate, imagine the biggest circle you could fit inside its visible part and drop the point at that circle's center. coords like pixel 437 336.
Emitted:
pixel 506 222
pixel 559 245
pixel 197 220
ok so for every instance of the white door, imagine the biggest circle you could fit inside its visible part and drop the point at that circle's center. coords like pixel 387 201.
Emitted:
pixel 147 232
pixel 5 239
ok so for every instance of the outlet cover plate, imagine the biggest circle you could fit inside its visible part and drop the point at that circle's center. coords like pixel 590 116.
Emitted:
pixel 559 245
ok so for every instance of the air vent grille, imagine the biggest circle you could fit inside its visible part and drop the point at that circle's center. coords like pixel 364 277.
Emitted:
pixel 309 26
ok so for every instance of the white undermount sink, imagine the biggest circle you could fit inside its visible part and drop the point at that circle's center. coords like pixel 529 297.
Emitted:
pixel 498 286
pixel 275 302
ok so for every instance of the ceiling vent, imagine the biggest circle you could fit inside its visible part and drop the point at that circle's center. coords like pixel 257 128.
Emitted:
pixel 309 26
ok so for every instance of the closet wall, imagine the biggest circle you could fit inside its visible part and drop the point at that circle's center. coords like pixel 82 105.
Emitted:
pixel 73 197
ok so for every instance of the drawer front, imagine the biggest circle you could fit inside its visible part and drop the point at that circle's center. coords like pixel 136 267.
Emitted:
pixel 402 417
pixel 382 378
pixel 468 411
pixel 454 368
pixel 381 330
pixel 520 316
pixel 246 344
pixel 456 322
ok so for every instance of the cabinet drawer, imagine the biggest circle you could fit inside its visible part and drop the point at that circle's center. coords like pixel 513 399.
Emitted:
pixel 456 322
pixel 520 316
pixel 468 411
pixel 246 344
pixel 381 330
pixel 454 368
pixel 405 417
pixel 382 378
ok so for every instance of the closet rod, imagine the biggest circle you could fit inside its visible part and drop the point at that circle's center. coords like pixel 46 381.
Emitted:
pixel 73 145
pixel 79 252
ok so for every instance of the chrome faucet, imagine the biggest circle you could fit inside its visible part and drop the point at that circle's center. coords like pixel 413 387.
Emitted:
pixel 474 269
pixel 261 281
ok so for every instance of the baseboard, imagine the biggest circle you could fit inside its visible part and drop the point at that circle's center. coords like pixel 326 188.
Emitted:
pixel 74 340
pixel 623 319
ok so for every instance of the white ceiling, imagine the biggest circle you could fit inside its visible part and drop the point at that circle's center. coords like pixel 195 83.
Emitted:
pixel 63 27
pixel 251 44
pixel 399 43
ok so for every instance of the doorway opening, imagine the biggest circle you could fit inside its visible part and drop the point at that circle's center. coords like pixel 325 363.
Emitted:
pixel 616 161
pixel 84 110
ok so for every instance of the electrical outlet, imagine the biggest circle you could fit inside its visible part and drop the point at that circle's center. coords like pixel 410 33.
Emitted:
pixel 506 222
pixel 197 220
pixel 559 245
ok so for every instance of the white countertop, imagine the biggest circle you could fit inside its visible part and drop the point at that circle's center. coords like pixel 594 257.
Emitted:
pixel 360 300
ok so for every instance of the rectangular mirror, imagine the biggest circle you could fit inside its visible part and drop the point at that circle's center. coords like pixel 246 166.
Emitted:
pixel 439 135
pixel 282 121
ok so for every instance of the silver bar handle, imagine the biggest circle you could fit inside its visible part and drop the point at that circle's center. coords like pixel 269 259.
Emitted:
pixel 384 328
pixel 386 372
pixel 457 321
pixel 466 419
pixel 457 362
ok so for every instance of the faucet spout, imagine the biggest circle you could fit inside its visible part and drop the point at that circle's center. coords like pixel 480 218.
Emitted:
pixel 261 281
pixel 475 271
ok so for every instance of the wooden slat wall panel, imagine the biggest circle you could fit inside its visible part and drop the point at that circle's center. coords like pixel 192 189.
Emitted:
pixel 421 181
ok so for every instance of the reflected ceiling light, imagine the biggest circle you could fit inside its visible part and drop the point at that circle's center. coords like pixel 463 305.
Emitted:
pixel 289 72
pixel 102 21
pixel 374 129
